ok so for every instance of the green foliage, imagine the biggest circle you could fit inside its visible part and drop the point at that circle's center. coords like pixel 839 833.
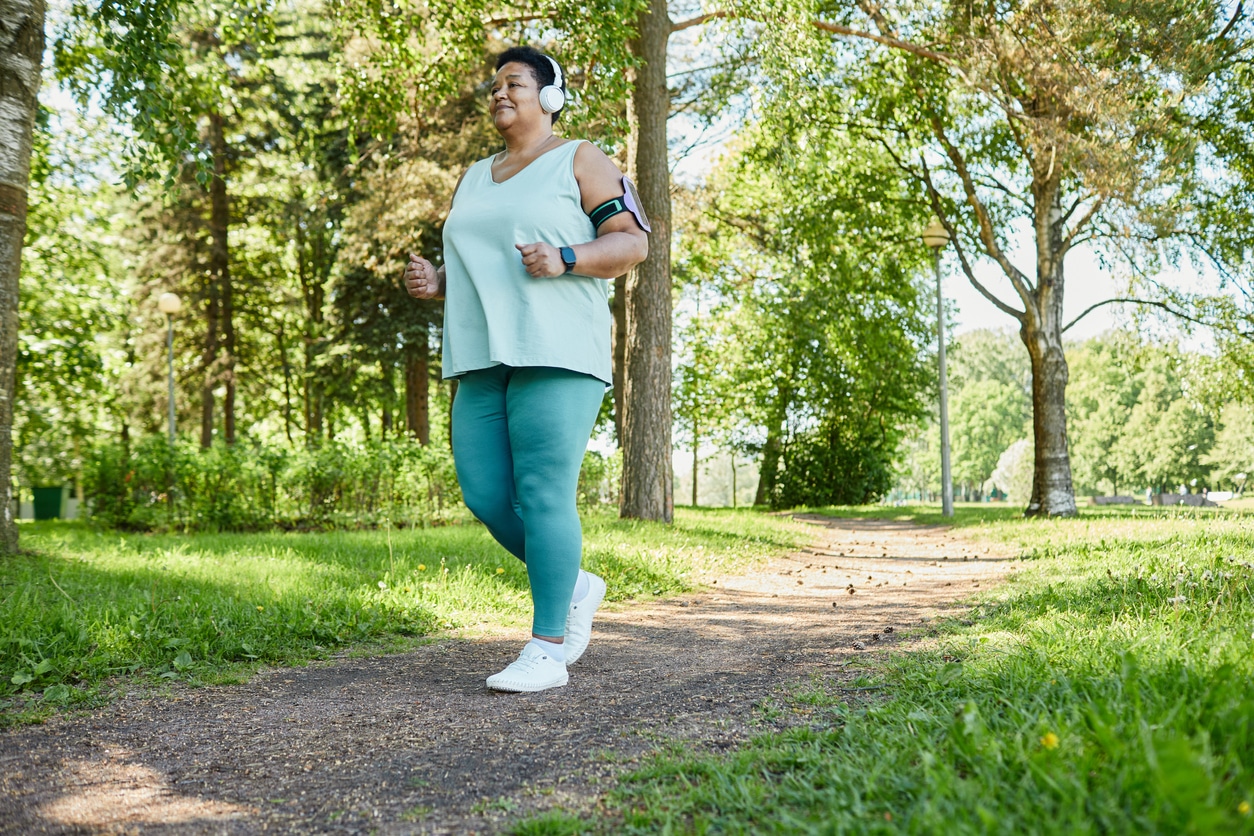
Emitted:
pixel 987 417
pixel 1103 689
pixel 85 610
pixel 67 303
pixel 835 464
pixel 809 347
pixel 1169 430
pixel 136 56
pixel 254 485
pixel 1102 391
pixel 599 479
pixel 1232 457
pixel 396 58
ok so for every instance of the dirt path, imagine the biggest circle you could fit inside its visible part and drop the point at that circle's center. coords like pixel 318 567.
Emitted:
pixel 414 743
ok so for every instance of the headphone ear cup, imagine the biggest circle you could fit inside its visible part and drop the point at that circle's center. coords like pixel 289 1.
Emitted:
pixel 552 98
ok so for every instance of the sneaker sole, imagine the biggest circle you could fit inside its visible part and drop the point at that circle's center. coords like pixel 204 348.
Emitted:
pixel 515 687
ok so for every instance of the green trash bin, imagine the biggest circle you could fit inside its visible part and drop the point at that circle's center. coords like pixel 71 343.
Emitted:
pixel 48 502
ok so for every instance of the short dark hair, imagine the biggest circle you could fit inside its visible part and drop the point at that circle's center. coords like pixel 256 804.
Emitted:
pixel 541 69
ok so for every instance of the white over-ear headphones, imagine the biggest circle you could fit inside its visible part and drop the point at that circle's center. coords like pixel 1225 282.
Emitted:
pixel 552 96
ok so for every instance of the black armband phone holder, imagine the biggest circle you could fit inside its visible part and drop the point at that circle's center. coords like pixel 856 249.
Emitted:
pixel 629 202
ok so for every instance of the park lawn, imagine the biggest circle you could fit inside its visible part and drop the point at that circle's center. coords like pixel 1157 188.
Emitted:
pixel 86 613
pixel 1106 687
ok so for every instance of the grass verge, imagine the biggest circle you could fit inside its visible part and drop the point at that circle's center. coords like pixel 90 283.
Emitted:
pixel 83 611
pixel 1105 688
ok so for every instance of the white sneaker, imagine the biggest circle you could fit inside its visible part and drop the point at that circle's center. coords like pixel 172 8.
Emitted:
pixel 579 619
pixel 534 670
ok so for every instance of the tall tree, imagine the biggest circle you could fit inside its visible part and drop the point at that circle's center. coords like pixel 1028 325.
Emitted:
pixel 21 61
pixel 648 480
pixel 1170 431
pixel 823 290
pixel 1066 120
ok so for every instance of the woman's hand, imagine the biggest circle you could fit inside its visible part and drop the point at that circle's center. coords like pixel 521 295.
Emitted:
pixel 422 280
pixel 543 261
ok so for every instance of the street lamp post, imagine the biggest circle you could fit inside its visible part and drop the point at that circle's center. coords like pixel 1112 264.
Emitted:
pixel 936 237
pixel 169 304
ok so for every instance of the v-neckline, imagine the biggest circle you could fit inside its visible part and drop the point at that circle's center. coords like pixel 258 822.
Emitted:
pixel 492 178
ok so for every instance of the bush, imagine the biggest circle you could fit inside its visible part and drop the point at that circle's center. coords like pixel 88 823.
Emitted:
pixel 599 478
pixel 827 466
pixel 253 485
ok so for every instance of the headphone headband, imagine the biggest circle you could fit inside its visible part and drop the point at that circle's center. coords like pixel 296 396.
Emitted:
pixel 557 72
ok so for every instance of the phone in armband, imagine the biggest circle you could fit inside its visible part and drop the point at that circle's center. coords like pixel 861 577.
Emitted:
pixel 629 202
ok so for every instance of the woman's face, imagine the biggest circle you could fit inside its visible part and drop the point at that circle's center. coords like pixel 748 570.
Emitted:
pixel 515 96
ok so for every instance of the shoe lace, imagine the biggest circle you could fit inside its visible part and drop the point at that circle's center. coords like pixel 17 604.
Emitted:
pixel 530 659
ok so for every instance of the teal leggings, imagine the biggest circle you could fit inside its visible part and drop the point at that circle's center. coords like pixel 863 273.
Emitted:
pixel 519 436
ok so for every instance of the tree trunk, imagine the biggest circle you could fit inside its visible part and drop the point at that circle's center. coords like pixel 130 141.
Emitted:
pixel 1041 331
pixel 389 396
pixel 287 384
pixel 220 267
pixel 773 450
pixel 417 391
pixel 696 444
pixel 646 420
pixel 209 358
pixel 313 293
pixel 770 467
pixel 22 48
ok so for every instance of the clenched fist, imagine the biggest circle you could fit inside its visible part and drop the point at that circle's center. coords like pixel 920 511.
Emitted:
pixel 422 279
pixel 542 261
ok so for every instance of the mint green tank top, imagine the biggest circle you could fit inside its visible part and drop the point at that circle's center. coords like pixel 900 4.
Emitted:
pixel 494 312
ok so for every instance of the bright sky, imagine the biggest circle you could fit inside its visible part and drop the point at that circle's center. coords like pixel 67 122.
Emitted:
pixel 1087 283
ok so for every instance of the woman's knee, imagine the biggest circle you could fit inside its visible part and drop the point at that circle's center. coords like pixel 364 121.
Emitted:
pixel 489 505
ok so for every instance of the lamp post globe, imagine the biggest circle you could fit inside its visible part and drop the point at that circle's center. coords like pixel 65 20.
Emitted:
pixel 936 237
pixel 169 303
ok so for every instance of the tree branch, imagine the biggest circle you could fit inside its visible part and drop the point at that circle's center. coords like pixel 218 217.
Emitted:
pixel 1164 306
pixel 934 200
pixel 697 21
pixel 895 43
pixel 501 21
pixel 987 235
pixel 1236 15
pixel 1070 238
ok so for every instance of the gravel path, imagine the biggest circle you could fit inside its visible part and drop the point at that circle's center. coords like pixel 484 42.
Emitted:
pixel 414 743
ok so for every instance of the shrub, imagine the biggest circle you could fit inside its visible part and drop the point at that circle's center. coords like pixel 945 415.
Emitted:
pixel 253 485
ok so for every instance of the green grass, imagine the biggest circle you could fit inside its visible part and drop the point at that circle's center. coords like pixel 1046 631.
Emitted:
pixel 84 612
pixel 1108 687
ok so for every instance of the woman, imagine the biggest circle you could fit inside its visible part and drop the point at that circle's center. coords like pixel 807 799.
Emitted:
pixel 527 334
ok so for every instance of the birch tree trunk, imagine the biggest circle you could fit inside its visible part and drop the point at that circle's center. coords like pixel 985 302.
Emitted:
pixel 646 399
pixel 21 57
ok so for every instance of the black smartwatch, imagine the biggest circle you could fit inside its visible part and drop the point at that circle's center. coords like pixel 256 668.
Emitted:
pixel 568 258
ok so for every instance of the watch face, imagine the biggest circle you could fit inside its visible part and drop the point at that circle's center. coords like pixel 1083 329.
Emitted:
pixel 568 257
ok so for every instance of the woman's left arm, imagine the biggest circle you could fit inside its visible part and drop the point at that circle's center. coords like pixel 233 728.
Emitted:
pixel 620 243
